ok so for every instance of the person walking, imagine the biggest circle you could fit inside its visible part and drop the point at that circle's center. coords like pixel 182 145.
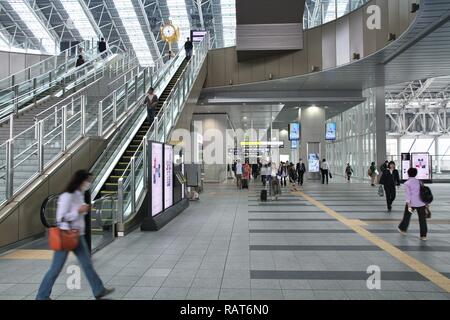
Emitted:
pixel 348 171
pixel 325 170
pixel 151 101
pixel 372 173
pixel 264 170
pixel 414 203
pixel 246 175
pixel 283 174
pixel 102 47
pixel 239 171
pixel 390 179
pixel 188 47
pixel 301 169
pixel 70 214
pixel 275 181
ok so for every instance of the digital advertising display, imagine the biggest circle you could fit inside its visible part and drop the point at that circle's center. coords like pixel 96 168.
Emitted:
pixel 294 131
pixel 313 162
pixel 168 176
pixel 406 164
pixel 421 161
pixel 330 131
pixel 157 178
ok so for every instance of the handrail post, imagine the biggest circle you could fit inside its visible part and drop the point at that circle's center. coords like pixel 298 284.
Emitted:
pixel 11 126
pixel 16 99
pixel 40 139
pixel 155 128
pixel 144 82
pixel 126 96
pixel 64 129
pixel 100 118
pixel 83 115
pixel 9 169
pixel 120 202
pixel 136 81
pixel 133 184
pixel 115 107
pixel 34 85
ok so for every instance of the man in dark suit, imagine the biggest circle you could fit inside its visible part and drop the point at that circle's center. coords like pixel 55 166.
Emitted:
pixel 188 46
pixel 390 179
pixel 102 47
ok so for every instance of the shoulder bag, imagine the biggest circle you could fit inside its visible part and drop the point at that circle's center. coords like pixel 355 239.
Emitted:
pixel 63 240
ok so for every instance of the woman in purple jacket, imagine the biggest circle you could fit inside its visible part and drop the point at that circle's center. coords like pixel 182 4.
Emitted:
pixel 414 203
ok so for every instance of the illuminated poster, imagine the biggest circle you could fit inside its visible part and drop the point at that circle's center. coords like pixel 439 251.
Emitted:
pixel 168 176
pixel 406 164
pixel 157 178
pixel 420 161
pixel 330 132
pixel 294 131
pixel 313 162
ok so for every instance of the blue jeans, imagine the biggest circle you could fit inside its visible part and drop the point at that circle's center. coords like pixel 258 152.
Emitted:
pixel 59 259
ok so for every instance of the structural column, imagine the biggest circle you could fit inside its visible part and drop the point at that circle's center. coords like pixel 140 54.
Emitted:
pixel 312 121
pixel 380 122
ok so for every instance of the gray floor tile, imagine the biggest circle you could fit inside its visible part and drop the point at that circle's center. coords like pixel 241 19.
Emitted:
pixel 171 294
pixel 235 294
pixel 203 293
pixel 145 293
pixel 267 294
pixel 298 294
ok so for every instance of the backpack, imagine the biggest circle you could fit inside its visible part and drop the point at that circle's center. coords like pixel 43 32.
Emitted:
pixel 425 194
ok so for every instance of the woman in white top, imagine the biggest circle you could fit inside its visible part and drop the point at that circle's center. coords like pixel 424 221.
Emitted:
pixel 70 214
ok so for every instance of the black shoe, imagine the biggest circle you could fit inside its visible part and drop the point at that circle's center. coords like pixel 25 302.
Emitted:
pixel 389 209
pixel 105 292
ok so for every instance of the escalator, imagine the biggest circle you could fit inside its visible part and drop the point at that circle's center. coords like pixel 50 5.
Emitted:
pixel 111 185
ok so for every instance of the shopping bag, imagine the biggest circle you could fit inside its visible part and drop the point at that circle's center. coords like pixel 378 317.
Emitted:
pixel 380 191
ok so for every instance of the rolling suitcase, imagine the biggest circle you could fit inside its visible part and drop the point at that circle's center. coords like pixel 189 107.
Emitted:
pixel 264 195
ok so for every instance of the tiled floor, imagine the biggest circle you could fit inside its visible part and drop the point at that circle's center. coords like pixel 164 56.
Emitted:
pixel 228 245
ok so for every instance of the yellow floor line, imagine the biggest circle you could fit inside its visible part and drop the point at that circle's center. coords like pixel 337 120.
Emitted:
pixel 24 254
pixel 429 273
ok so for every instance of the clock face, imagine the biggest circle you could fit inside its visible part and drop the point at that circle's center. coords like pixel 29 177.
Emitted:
pixel 169 31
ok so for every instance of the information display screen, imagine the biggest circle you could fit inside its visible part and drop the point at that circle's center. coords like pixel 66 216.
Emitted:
pixel 330 131
pixel 197 35
pixel 421 161
pixel 313 162
pixel 406 164
pixel 168 176
pixel 294 144
pixel 294 131
pixel 157 178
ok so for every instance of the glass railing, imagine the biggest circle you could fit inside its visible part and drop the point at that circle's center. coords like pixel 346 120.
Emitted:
pixel 26 155
pixel 322 11
pixel 132 185
pixel 68 56
pixel 63 78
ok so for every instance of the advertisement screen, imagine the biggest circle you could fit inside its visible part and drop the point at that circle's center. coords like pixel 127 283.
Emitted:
pixel 406 164
pixel 157 178
pixel 294 131
pixel 330 131
pixel 168 176
pixel 313 162
pixel 421 161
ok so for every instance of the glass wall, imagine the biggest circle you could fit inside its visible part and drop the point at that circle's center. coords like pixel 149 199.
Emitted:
pixel 355 138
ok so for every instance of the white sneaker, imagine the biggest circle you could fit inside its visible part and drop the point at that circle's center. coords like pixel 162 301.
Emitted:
pixel 401 231
pixel 423 238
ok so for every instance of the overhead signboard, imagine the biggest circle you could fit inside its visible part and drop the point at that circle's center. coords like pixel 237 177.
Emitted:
pixel 330 131
pixel 294 131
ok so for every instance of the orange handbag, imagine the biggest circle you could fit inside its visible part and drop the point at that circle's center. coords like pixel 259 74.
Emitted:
pixel 63 240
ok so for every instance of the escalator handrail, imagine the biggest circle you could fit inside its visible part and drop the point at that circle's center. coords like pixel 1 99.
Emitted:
pixel 53 196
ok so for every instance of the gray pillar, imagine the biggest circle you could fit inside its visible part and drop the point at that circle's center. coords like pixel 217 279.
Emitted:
pixel 312 121
pixel 380 121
